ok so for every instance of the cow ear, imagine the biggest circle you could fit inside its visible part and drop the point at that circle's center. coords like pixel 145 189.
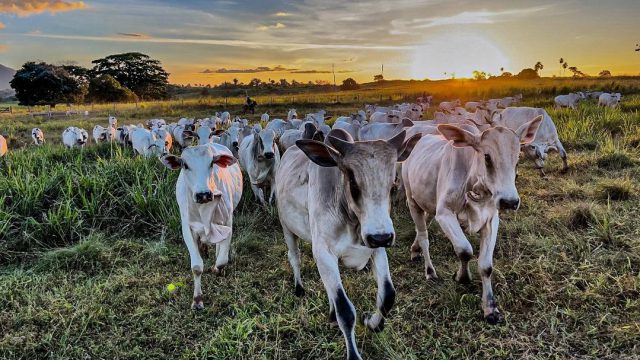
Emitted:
pixel 172 162
pixel 327 117
pixel 219 132
pixel 527 132
pixel 408 146
pixel 224 160
pixel 406 122
pixel 460 137
pixel 318 152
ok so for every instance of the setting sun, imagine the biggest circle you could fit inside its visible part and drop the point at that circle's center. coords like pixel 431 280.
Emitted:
pixel 456 54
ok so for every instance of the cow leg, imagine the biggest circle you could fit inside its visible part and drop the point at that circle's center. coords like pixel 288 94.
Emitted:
pixel 345 312
pixel 451 227
pixel 386 293
pixel 197 264
pixel 488 235
pixel 294 259
pixel 258 193
pixel 422 238
pixel 273 193
pixel 222 255
pixel 563 156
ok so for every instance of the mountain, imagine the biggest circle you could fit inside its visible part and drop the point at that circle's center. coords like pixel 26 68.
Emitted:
pixel 6 75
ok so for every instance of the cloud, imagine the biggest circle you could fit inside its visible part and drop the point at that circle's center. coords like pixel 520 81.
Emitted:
pixel 464 18
pixel 259 69
pixel 3 48
pixel 2 25
pixel 320 71
pixel 282 14
pixel 274 26
pixel 133 35
pixel 292 46
pixel 31 7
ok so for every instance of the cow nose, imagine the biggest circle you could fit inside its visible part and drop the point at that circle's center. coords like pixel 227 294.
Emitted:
pixel 234 144
pixel 204 197
pixel 269 155
pixel 509 204
pixel 380 240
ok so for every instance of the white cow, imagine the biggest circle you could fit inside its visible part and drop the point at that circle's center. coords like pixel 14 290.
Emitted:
pixel 163 133
pixel 392 116
pixel 449 106
pixel 113 122
pixel 289 138
pixel 260 157
pixel 382 131
pixel 462 179
pixel 182 136
pixel 279 126
pixel 122 134
pixel 38 136
pixel 292 114
pixel 264 118
pixel 571 100
pixel 336 196
pixel 229 138
pixel 101 134
pixel 225 118
pixel 546 139
pixel 146 144
pixel 610 100
pixel 73 136
pixel 208 190
pixel 154 123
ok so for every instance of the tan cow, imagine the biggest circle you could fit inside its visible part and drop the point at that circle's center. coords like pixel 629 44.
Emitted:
pixel 462 179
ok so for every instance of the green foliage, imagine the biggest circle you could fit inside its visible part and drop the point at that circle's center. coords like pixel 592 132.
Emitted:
pixel 46 84
pixel 528 74
pixel 106 89
pixel 135 71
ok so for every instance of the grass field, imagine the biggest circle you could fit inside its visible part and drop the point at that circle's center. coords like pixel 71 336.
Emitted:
pixel 89 243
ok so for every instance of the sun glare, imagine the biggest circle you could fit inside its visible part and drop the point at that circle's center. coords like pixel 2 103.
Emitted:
pixel 456 54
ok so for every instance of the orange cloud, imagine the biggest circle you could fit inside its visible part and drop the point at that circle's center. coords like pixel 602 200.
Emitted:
pixel 31 7
pixel 3 48
pixel 2 26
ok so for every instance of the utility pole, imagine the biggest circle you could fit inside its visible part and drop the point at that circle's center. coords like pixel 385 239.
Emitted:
pixel 333 70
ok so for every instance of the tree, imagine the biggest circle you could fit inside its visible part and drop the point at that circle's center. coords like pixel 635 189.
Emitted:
pixel 565 65
pixel 506 74
pixel 255 82
pixel 284 83
pixel 106 89
pixel 479 75
pixel 576 72
pixel 46 84
pixel 605 73
pixel 637 47
pixel 235 82
pixel 135 71
pixel 378 78
pixel 349 84
pixel 528 74
pixel 538 66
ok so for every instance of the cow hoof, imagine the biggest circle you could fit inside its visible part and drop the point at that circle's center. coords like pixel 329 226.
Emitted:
pixel 415 255
pixel 494 318
pixel 463 280
pixel 197 306
pixel 219 270
pixel 365 318
pixel 299 291
pixel 333 321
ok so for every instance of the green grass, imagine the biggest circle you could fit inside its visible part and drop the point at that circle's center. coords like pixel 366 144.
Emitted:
pixel 90 239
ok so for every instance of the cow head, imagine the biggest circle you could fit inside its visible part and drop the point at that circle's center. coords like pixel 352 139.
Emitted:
pixel 368 171
pixel 495 160
pixel 233 136
pixel 537 152
pixel 264 144
pixel 199 165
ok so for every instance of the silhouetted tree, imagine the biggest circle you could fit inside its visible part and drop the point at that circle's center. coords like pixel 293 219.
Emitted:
pixel 605 73
pixel 538 66
pixel 235 82
pixel 479 75
pixel 528 74
pixel 135 71
pixel 378 78
pixel 106 89
pixel 47 84
pixel 349 84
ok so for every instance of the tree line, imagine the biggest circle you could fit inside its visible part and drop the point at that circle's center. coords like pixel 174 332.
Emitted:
pixel 116 78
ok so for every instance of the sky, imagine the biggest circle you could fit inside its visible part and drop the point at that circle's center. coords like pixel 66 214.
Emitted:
pixel 208 42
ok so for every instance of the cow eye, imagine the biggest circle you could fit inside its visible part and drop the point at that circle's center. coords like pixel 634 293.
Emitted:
pixel 353 185
pixel 487 160
pixel 184 165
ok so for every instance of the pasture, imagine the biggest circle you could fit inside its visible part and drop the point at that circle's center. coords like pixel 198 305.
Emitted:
pixel 92 262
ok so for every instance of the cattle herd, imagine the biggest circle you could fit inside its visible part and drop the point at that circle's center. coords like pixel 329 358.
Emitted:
pixel 333 185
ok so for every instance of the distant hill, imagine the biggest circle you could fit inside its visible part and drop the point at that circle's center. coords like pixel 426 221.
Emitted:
pixel 6 74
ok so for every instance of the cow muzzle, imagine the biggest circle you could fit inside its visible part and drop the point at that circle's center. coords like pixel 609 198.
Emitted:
pixel 380 240
pixel 509 204
pixel 204 197
pixel 269 155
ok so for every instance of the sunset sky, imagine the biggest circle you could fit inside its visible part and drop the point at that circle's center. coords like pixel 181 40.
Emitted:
pixel 211 41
